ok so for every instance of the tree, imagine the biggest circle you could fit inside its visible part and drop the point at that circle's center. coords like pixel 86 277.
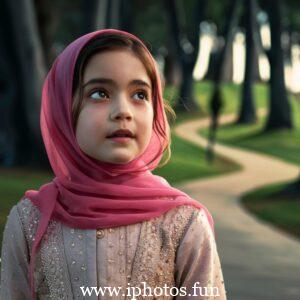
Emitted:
pixel 172 66
pixel 279 116
pixel 216 101
pixel 187 48
pixel 7 95
pixel 101 14
pixel 232 14
pixel 48 16
pixel 247 111
pixel 26 71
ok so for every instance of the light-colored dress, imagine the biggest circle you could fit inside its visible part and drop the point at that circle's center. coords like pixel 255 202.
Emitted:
pixel 168 257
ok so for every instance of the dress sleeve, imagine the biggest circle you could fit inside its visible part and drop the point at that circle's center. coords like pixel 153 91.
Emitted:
pixel 197 265
pixel 14 260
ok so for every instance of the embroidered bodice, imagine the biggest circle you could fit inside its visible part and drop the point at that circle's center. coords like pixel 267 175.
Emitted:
pixel 175 249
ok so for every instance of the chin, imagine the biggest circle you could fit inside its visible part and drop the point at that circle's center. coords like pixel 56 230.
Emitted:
pixel 121 157
pixel 121 161
pixel 116 159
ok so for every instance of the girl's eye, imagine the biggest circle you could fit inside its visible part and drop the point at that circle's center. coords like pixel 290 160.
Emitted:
pixel 143 94
pixel 100 94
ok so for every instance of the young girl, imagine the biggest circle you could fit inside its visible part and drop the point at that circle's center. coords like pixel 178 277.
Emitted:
pixel 106 227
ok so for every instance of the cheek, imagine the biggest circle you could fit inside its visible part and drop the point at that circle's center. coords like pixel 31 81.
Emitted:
pixel 90 125
pixel 146 124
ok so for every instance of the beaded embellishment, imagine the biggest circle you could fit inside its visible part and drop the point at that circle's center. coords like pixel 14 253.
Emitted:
pixel 154 262
pixel 51 278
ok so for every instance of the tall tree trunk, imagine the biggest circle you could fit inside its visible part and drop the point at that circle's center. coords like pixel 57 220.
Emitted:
pixel 212 62
pixel 216 101
pixel 98 13
pixel 247 111
pixel 7 96
pixel 94 12
pixel 187 48
pixel 220 57
pixel 126 15
pixel 27 61
pixel 113 14
pixel 101 14
pixel 280 112
pixel 256 71
pixel 228 33
pixel 172 69
pixel 227 72
pixel 48 17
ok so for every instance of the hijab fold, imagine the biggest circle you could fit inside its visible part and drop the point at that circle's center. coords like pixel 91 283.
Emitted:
pixel 86 193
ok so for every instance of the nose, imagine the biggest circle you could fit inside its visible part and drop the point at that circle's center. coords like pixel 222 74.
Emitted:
pixel 121 109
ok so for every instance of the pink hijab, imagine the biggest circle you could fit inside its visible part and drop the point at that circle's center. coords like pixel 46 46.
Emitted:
pixel 87 193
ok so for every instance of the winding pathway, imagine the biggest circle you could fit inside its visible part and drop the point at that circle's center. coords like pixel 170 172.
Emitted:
pixel 259 261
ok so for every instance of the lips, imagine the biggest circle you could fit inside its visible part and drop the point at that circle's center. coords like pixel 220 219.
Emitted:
pixel 121 133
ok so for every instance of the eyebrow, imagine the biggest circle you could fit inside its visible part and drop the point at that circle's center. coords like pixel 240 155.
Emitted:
pixel 112 82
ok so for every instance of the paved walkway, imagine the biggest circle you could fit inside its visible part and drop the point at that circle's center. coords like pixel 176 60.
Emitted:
pixel 259 261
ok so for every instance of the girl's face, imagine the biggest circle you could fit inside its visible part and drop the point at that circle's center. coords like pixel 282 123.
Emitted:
pixel 116 95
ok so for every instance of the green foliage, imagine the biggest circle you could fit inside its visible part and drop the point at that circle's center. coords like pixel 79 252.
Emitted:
pixel 292 16
pixel 150 23
pixel 216 12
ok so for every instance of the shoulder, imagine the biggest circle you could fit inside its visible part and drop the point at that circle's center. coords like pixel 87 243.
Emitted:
pixel 27 211
pixel 13 223
pixel 17 228
pixel 181 213
pixel 174 223
pixel 19 212
pixel 26 207
pixel 187 214
pixel 29 217
pixel 190 220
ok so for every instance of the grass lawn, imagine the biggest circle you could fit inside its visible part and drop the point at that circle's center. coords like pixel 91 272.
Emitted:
pixel 268 203
pixel 284 144
pixel 183 167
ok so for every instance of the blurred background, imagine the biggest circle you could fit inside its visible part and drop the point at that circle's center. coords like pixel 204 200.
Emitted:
pixel 238 57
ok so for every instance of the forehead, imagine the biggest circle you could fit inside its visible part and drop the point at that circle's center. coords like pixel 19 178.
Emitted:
pixel 120 65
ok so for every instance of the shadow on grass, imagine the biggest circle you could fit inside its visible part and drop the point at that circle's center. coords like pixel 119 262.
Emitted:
pixel 276 205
